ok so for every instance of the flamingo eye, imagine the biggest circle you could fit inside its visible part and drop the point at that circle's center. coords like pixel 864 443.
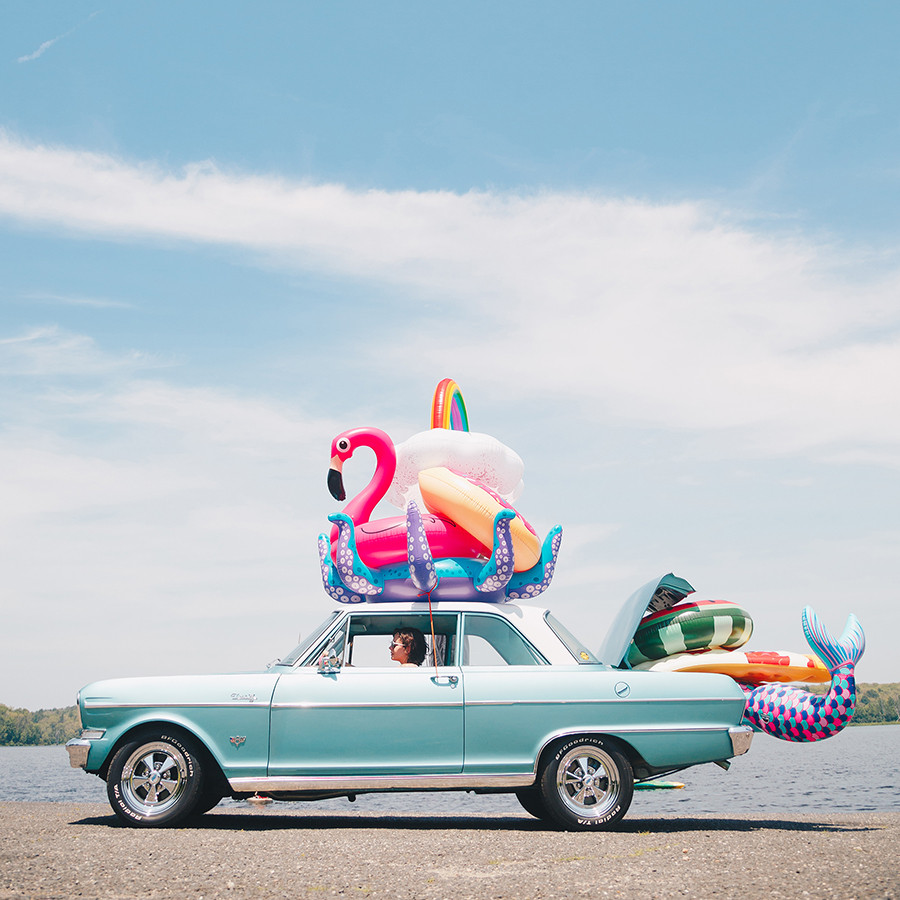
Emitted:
pixel 343 445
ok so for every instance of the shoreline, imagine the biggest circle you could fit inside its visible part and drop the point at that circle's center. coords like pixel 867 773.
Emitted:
pixel 63 849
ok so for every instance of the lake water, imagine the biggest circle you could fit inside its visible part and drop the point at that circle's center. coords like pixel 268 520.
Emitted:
pixel 858 770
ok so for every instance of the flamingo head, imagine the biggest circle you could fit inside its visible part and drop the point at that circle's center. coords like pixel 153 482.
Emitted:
pixel 343 447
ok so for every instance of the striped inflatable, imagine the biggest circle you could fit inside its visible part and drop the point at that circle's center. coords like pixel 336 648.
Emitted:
pixel 693 625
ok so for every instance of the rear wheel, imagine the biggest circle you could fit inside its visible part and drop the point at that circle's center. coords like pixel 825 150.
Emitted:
pixel 586 784
pixel 155 779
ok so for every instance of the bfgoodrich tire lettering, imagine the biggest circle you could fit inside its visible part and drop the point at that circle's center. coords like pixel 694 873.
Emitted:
pixel 156 779
pixel 586 784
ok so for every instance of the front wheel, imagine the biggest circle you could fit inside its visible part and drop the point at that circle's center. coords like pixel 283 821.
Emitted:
pixel 532 802
pixel 587 784
pixel 155 780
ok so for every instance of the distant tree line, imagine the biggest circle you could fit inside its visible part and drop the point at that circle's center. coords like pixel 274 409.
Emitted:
pixel 23 728
pixel 876 704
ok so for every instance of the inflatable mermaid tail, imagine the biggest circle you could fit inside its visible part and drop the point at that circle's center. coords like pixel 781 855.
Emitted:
pixel 835 654
pixel 797 715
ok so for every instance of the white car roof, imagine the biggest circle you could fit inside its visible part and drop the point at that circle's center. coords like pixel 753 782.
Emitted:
pixel 527 619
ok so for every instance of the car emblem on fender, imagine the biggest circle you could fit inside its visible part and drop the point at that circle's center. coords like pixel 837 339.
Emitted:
pixel 238 739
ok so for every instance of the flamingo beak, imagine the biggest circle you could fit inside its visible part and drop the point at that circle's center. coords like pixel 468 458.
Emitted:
pixel 336 479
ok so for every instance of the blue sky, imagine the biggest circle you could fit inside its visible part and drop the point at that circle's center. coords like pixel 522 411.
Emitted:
pixel 655 244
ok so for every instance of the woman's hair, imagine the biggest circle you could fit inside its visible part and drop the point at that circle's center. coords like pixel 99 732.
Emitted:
pixel 414 641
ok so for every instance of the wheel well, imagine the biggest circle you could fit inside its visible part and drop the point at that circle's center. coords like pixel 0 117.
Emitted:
pixel 209 764
pixel 635 758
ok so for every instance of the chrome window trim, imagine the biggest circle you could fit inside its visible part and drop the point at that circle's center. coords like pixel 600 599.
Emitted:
pixel 344 620
pixel 540 662
pixel 341 623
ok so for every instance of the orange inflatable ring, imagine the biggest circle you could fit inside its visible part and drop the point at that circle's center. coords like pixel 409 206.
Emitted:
pixel 473 507
pixel 747 666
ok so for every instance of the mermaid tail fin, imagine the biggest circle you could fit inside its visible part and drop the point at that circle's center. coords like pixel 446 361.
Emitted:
pixel 835 653
pixel 797 715
pixel 418 551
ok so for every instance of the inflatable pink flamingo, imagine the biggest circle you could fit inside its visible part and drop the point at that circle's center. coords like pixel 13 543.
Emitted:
pixel 384 541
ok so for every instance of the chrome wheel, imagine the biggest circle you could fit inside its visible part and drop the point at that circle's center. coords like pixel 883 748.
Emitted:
pixel 587 781
pixel 154 778
pixel 587 784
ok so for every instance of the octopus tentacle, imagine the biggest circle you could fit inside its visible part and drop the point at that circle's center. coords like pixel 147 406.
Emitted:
pixel 331 581
pixel 498 570
pixel 353 572
pixel 797 715
pixel 537 579
pixel 421 562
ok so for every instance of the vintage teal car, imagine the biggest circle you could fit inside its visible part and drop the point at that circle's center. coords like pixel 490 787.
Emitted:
pixel 512 703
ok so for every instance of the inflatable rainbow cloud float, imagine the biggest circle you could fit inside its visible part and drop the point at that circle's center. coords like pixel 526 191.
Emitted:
pixel 468 543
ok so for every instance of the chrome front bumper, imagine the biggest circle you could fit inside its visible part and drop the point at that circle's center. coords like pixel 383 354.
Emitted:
pixel 741 737
pixel 79 748
pixel 78 752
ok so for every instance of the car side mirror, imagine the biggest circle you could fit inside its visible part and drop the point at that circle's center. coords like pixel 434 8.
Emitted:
pixel 329 661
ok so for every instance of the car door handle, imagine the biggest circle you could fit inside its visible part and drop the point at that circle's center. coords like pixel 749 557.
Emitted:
pixel 445 679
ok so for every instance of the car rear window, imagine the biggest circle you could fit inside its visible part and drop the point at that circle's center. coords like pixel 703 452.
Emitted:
pixel 582 655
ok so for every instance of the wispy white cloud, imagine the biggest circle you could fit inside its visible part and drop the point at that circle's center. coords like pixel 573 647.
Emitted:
pixel 48 351
pixel 46 45
pixel 40 50
pixel 671 316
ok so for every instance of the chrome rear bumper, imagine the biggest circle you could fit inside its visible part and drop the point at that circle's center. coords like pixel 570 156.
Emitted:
pixel 741 737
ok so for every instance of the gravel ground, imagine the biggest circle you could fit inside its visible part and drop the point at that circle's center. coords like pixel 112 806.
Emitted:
pixel 64 850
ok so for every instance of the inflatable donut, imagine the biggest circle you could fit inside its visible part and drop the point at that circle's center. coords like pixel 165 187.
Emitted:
pixel 473 506
pixel 748 666
pixel 693 625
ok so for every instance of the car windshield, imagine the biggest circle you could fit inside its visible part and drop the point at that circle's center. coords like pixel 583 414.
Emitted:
pixel 582 655
pixel 308 641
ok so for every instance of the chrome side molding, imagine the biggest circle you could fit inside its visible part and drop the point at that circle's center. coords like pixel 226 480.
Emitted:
pixel 350 783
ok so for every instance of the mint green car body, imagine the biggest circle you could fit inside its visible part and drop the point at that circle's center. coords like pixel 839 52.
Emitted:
pixel 336 718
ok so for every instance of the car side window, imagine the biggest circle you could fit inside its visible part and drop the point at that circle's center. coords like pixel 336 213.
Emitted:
pixel 492 641
pixel 364 641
